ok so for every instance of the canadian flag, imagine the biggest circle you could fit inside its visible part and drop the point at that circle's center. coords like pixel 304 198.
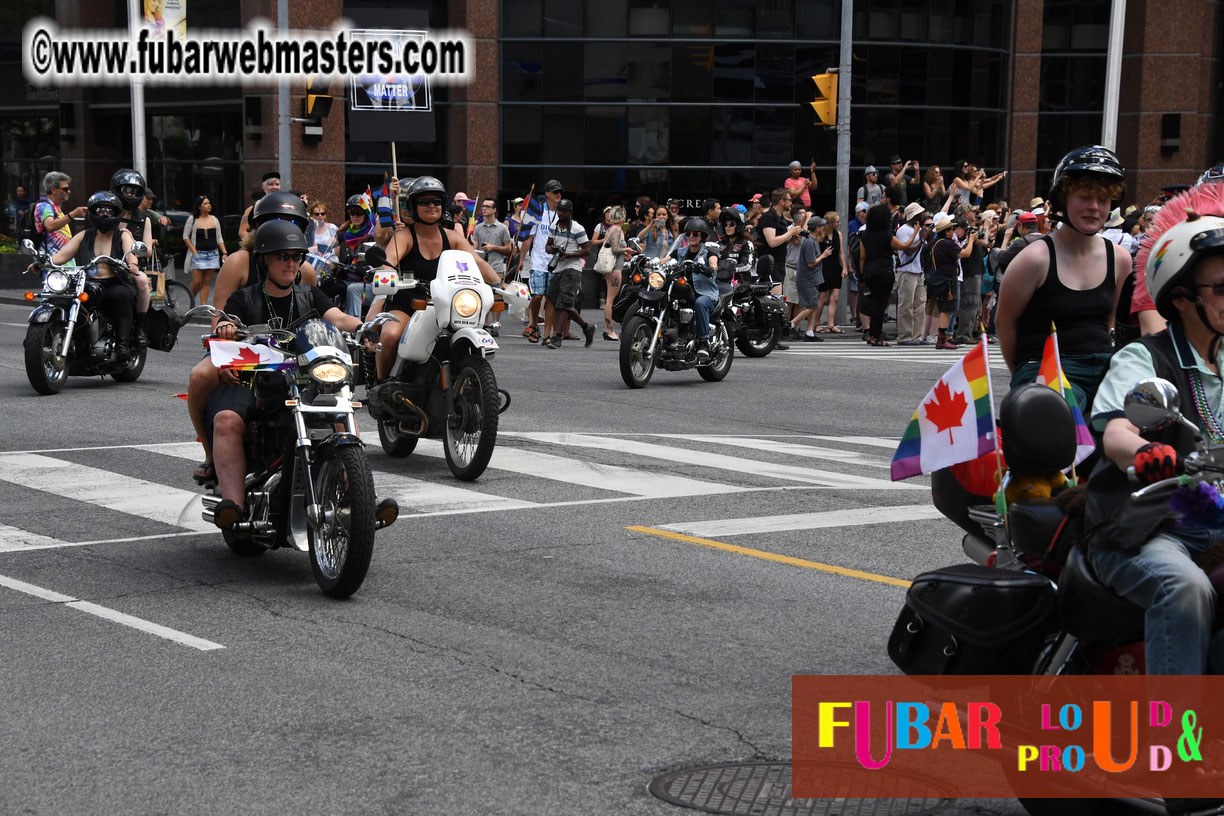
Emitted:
pixel 232 354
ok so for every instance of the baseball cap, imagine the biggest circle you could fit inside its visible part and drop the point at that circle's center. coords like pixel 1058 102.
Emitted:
pixel 755 197
pixel 459 197
pixel 553 186
pixel 1026 218
pixel 862 206
pixel 565 204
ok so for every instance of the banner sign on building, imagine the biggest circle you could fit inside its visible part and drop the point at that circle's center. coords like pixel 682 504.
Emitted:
pixel 390 107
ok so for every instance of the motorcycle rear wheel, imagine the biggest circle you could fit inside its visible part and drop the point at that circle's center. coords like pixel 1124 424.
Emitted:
pixel 135 367
pixel 46 369
pixel 393 442
pixel 760 347
pixel 635 366
pixel 720 366
pixel 341 547
pixel 471 434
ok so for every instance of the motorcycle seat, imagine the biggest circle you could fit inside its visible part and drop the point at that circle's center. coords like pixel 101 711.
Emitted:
pixel 1033 524
pixel 1092 611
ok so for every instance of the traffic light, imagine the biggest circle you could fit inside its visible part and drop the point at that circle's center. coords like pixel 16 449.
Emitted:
pixel 826 99
pixel 317 103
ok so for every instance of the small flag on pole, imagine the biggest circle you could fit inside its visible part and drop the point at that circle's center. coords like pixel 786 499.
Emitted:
pixel 247 357
pixel 954 423
pixel 1051 374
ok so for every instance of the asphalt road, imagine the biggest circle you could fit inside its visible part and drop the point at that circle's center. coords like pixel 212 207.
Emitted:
pixel 516 648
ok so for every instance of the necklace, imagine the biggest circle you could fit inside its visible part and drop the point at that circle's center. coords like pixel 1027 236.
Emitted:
pixel 274 320
pixel 1213 429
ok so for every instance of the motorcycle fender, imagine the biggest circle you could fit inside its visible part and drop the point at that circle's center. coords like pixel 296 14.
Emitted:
pixel 46 313
pixel 652 295
pixel 298 523
pixel 341 439
pixel 480 340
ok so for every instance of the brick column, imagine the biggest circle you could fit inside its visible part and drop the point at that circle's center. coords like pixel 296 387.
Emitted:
pixel 475 128
pixel 1026 87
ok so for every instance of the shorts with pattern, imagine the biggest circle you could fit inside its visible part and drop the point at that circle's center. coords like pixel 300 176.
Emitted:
pixel 790 290
pixel 565 290
pixel 538 281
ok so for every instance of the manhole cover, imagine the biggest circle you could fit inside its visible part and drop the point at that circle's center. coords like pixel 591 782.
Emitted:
pixel 764 789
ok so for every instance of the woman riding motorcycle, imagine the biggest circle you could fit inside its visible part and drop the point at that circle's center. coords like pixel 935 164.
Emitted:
pixel 694 249
pixel 105 236
pixel 737 249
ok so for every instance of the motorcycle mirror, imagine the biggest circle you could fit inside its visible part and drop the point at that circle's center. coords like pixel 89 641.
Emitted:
pixel 375 256
pixel 27 247
pixel 140 250
pixel 636 244
pixel 1153 404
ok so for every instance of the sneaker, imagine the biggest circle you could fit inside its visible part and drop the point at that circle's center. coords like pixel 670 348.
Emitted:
pixel 589 332
pixel 781 347
pixel 907 342
pixel 812 338
pixel 926 341
pixel 703 351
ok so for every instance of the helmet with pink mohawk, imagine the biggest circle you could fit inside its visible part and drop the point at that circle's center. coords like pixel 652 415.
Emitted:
pixel 1188 227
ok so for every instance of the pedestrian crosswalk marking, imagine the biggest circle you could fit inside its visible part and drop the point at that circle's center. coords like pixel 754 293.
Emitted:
pixel 840 455
pixel 718 461
pixel 853 517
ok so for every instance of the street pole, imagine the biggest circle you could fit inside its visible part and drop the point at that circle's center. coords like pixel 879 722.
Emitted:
pixel 283 148
pixel 135 16
pixel 842 200
pixel 1113 75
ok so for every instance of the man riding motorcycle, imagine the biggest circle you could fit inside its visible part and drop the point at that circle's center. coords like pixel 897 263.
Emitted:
pixel 279 249
pixel 128 186
pixel 1135 548
pixel 705 287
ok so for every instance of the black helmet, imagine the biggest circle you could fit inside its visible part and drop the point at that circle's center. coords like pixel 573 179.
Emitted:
pixel 423 185
pixel 1094 160
pixel 278 236
pixel 355 201
pixel 103 211
pixel 134 184
pixel 1036 406
pixel 695 224
pixel 279 206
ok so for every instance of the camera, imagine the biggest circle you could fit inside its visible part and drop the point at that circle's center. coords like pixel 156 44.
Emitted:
pixel 805 232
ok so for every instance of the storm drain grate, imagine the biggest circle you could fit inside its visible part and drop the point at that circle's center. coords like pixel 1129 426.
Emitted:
pixel 764 789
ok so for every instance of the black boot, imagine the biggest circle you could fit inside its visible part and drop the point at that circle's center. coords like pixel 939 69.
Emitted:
pixel 138 321
pixel 123 352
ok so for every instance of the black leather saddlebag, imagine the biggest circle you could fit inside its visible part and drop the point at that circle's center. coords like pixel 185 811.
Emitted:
pixel 969 619
pixel 162 326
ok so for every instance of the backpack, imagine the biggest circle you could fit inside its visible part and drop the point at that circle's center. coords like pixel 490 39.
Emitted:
pixel 28 228
pixel 852 250
pixel 928 260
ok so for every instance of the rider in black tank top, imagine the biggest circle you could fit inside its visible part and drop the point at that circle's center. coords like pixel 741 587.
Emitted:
pixel 424 269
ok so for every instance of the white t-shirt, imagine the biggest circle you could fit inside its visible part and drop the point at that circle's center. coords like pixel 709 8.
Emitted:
pixel 539 240
pixel 908 260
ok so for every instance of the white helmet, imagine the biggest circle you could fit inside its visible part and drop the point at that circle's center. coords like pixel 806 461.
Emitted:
pixel 1174 255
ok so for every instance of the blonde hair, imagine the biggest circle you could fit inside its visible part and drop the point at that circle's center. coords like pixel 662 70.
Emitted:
pixel 618 214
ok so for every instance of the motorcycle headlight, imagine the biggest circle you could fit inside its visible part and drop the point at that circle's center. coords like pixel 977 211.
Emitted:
pixel 329 372
pixel 57 282
pixel 466 303
pixel 656 280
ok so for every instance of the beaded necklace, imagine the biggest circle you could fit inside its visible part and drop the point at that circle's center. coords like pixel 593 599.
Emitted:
pixel 274 320
pixel 1214 432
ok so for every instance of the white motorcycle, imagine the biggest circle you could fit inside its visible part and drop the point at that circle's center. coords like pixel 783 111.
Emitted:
pixel 441 384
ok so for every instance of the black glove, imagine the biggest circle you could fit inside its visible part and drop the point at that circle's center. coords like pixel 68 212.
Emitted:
pixel 1156 461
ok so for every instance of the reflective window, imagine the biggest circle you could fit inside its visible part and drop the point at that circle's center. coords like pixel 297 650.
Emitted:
pixel 562 63
pixel 649 18
pixel 733 18
pixel 692 18
pixel 692 73
pixel 562 18
pixel 649 72
pixel 817 20
pixel 606 73
pixel 775 18
pixel 732 137
pixel 691 127
pixel 735 75
pixel 522 71
pixel 772 140
pixel 649 135
pixel 606 18
pixel 1075 25
pixel 562 142
pixel 521 18
pixel 522 134
pixel 606 138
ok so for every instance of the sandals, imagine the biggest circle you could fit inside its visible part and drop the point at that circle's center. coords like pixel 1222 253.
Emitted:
pixel 822 329
pixel 532 334
pixel 871 341
pixel 227 513
pixel 206 473
pixel 833 330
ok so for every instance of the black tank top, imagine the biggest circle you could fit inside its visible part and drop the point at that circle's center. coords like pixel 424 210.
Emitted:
pixel 135 225
pixel 1082 317
pixel 85 252
pixel 424 269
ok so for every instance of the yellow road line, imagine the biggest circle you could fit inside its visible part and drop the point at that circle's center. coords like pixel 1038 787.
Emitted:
pixel 768 556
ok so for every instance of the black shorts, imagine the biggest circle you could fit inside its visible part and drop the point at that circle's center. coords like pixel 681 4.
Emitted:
pixel 832 277
pixel 942 293
pixel 565 290
pixel 225 397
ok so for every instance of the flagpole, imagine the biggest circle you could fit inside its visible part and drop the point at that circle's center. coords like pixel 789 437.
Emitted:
pixel 394 173
pixel 518 243
pixel 1058 367
pixel 994 429
pixel 472 219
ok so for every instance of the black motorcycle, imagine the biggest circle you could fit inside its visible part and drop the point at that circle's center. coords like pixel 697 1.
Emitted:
pixel 308 485
pixel 760 315
pixel 660 329
pixel 68 334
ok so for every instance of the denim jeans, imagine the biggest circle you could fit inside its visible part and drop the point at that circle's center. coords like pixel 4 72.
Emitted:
pixel 702 308
pixel 354 294
pixel 1176 593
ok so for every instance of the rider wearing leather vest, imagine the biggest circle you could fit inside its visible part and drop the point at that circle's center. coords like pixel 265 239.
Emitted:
pixel 1136 549
pixel 129 187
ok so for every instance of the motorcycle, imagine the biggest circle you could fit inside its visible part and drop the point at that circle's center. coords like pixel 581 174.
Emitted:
pixel 308 485
pixel 760 315
pixel 68 334
pixel 442 383
pixel 1032 603
pixel 659 329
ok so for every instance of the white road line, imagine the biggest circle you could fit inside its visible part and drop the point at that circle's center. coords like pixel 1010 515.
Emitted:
pixel 790 449
pixel 13 539
pixel 104 488
pixel 111 615
pixel 18 545
pixel 438 497
pixel 719 461
pixel 872 441
pixel 805 521
pixel 591 474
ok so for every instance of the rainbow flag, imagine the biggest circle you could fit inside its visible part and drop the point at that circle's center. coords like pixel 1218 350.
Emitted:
pixel 1051 374
pixel 470 206
pixel 954 423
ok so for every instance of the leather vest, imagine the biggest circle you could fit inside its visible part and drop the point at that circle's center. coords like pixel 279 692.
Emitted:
pixel 253 309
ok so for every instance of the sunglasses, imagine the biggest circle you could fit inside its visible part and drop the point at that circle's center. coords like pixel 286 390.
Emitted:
pixel 694 235
pixel 296 257
pixel 63 189
pixel 106 212
pixel 430 202
pixel 356 211
pixel 319 214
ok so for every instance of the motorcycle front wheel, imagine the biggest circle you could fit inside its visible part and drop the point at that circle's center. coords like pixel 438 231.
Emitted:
pixel 636 365
pixel 471 431
pixel 46 368
pixel 343 543
pixel 135 367
pixel 761 346
pixel 720 364
pixel 394 442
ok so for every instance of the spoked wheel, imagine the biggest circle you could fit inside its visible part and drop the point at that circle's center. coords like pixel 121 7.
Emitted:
pixel 760 343
pixel 341 546
pixel 135 366
pixel 471 432
pixel 394 442
pixel 179 298
pixel 636 364
pixel 46 368
pixel 720 362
